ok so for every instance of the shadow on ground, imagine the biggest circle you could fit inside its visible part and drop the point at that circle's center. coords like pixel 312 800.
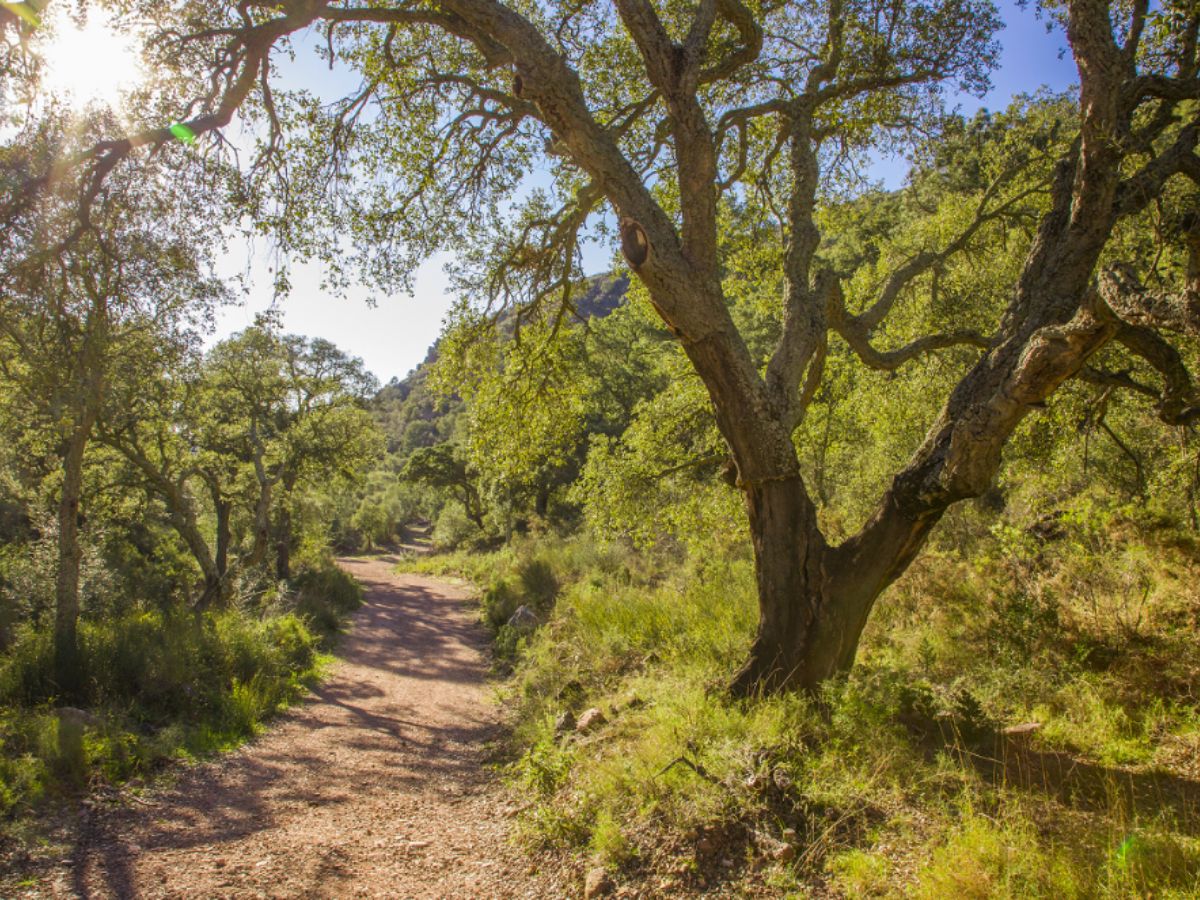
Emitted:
pixel 401 714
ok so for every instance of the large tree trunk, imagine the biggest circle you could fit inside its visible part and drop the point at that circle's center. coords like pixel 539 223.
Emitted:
pixel 181 509
pixel 472 504
pixel 68 673
pixel 814 600
pixel 283 544
pixel 67 663
pixel 262 507
pixel 792 591
pixel 183 517
pixel 283 530
pixel 223 508
pixel 262 524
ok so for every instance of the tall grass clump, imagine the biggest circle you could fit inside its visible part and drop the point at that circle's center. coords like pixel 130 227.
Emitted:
pixel 324 596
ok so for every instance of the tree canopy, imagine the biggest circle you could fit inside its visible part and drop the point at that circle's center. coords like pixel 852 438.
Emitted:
pixel 697 123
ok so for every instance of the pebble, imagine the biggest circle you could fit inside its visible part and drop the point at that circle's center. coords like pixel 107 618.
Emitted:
pixel 590 720
pixel 598 883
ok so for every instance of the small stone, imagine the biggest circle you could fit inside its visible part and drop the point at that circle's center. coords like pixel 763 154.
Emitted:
pixel 590 720
pixel 523 620
pixel 784 852
pixel 565 722
pixel 598 883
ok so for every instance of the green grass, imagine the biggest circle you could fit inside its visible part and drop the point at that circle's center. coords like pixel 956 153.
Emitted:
pixel 903 785
pixel 159 685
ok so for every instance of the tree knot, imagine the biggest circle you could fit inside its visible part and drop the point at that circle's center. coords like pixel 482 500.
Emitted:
pixel 634 244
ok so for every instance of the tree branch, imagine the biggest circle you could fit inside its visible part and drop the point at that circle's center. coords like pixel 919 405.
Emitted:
pixel 1131 302
pixel 1179 403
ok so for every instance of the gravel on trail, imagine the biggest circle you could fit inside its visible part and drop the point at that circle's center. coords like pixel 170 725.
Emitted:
pixel 376 786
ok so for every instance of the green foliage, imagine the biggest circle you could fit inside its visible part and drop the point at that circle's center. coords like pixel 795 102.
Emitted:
pixel 324 596
pixel 171 663
pixel 984 859
pixel 157 685
pixel 160 683
pixel 657 480
pixel 499 602
pixel 887 790
pixel 522 396
pixel 525 402
pixel 539 583
pixel 454 528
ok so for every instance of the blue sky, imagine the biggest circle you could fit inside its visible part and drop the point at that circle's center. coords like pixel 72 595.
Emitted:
pixel 392 334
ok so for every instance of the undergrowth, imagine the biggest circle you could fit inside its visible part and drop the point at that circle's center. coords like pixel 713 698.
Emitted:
pixel 1023 720
pixel 160 684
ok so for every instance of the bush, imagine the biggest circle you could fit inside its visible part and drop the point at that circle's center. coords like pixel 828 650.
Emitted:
pixel 499 602
pixel 156 685
pixel 453 529
pixel 324 596
pixel 898 785
pixel 539 584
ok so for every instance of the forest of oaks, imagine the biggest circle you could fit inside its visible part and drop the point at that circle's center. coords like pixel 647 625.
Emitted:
pixel 860 523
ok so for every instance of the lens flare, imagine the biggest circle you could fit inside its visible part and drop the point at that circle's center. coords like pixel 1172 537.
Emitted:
pixel 183 133
pixel 89 63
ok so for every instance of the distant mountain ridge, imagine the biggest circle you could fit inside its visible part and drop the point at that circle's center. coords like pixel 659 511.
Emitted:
pixel 412 417
pixel 603 295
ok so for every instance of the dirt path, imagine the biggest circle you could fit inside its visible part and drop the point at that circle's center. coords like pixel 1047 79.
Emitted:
pixel 376 787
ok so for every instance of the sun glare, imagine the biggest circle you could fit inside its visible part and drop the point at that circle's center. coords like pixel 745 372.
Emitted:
pixel 90 62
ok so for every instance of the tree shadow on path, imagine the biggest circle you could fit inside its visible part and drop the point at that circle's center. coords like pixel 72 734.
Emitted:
pixel 404 718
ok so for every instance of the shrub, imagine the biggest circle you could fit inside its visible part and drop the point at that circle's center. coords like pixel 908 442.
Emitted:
pixel 157 684
pixel 539 584
pixel 453 529
pixel 499 602
pixel 324 596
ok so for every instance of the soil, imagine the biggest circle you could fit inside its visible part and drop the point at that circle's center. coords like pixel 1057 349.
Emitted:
pixel 377 786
